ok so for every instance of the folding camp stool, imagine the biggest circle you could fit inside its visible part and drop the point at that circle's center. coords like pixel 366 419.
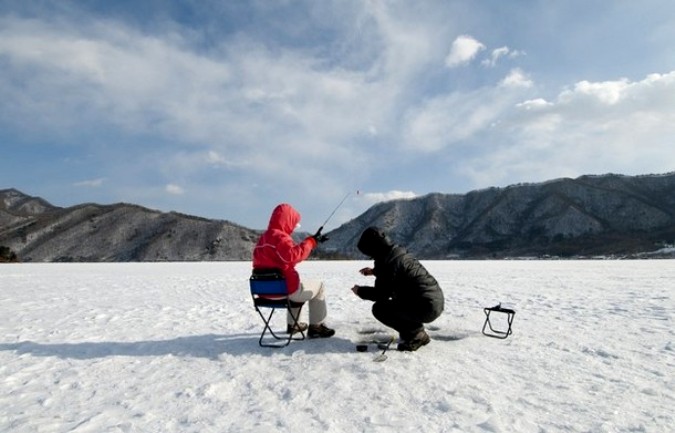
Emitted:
pixel 268 290
pixel 488 324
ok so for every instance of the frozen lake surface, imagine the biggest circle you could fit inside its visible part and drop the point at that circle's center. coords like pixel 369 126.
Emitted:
pixel 172 347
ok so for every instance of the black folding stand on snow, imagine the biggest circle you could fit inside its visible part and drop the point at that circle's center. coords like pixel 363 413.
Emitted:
pixel 488 324
pixel 268 290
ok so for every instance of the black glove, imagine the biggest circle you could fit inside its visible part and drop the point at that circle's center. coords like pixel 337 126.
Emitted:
pixel 318 237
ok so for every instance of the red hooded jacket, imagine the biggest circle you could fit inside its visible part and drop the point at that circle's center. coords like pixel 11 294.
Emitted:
pixel 276 248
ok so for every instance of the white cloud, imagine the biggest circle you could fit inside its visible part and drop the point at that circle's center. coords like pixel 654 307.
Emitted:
pixel 462 51
pixel 92 183
pixel 607 92
pixel 455 119
pixel 247 103
pixel 214 157
pixel 499 53
pixel 141 83
pixel 304 120
pixel 534 104
pixel 592 127
pixel 618 126
pixel 377 197
pixel 174 189
pixel 517 78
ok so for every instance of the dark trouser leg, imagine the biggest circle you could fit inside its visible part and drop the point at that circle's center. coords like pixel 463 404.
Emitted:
pixel 400 317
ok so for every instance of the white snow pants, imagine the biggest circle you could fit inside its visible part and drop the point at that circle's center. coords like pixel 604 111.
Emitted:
pixel 311 292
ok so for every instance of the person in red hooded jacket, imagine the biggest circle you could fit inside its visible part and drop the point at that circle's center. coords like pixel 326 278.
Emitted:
pixel 276 249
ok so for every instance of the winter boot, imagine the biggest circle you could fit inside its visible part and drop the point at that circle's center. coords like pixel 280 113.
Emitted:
pixel 320 331
pixel 411 345
pixel 294 329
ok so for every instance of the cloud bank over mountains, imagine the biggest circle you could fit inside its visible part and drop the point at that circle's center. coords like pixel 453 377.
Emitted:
pixel 181 113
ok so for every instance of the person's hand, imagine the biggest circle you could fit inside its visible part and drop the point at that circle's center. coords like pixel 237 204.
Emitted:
pixel 366 271
pixel 318 237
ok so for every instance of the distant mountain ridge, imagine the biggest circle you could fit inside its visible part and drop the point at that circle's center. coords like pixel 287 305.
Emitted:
pixel 591 215
pixel 587 216
pixel 37 231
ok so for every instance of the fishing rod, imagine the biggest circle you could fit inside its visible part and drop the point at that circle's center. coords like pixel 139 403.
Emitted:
pixel 333 213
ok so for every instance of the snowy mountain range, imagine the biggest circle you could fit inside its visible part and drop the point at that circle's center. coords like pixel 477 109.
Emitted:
pixel 588 216
pixel 37 231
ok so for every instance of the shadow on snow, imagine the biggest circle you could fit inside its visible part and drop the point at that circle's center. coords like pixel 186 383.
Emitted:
pixel 209 346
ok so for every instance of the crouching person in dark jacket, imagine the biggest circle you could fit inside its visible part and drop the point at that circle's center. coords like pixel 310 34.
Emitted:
pixel 406 295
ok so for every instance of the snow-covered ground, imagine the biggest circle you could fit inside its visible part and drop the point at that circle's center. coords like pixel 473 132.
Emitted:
pixel 173 348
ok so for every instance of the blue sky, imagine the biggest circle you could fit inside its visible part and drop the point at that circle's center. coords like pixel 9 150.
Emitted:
pixel 223 109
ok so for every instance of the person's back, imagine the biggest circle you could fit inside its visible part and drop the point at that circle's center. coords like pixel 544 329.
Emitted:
pixel 406 295
pixel 413 283
pixel 276 250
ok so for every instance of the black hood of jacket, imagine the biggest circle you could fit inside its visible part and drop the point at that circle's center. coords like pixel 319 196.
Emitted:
pixel 375 243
